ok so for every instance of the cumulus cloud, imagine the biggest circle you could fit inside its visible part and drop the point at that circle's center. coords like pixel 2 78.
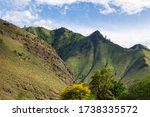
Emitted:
pixel 26 17
pixel 132 6
pixel 43 23
pixel 19 16
pixel 107 10
pixel 128 6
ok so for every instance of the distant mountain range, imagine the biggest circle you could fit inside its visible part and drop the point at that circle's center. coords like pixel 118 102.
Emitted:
pixel 37 63
pixel 86 55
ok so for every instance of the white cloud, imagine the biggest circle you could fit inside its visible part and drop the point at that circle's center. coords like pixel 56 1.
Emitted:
pixel 43 23
pixel 20 2
pixel 27 17
pixel 107 10
pixel 129 37
pixel 132 6
pixel 19 16
pixel 128 6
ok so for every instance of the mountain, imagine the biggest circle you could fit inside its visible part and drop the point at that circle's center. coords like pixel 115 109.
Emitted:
pixel 63 40
pixel 86 55
pixel 29 67
pixel 139 47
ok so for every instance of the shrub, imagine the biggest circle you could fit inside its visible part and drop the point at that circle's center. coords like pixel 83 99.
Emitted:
pixel 76 92
pixel 139 90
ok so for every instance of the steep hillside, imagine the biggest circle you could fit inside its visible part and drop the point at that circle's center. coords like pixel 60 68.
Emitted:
pixel 63 40
pixel 29 67
pixel 85 55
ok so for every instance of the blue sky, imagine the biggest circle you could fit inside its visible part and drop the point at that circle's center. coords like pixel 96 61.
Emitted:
pixel 125 22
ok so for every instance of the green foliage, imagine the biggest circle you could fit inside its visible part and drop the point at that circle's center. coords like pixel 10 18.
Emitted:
pixel 118 89
pixel 103 87
pixel 139 90
pixel 76 92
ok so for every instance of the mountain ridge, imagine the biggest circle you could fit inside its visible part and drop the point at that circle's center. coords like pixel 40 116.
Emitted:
pixel 100 52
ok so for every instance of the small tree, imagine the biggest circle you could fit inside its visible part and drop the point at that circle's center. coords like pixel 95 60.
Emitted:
pixel 103 87
pixel 76 92
pixel 139 90
pixel 118 89
pixel 101 84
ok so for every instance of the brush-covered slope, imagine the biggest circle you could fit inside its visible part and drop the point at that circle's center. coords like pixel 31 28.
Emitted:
pixel 29 67
pixel 86 55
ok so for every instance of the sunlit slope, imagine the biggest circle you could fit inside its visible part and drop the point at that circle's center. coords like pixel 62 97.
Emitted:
pixel 140 68
pixel 29 67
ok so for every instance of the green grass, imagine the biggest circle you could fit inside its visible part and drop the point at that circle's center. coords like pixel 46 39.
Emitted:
pixel 24 73
pixel 32 72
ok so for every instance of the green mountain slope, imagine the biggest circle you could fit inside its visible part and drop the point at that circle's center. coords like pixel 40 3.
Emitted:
pixel 86 55
pixel 63 40
pixel 29 67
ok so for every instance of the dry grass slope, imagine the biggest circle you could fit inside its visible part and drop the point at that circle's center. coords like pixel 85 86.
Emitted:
pixel 29 67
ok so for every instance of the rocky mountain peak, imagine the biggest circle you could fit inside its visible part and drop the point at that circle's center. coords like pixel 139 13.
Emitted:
pixel 97 37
